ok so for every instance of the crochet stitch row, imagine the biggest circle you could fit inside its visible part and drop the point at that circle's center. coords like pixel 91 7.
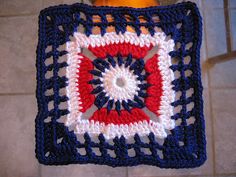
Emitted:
pixel 63 131
pixel 76 103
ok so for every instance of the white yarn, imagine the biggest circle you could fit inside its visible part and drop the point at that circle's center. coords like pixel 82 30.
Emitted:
pixel 159 124
pixel 113 90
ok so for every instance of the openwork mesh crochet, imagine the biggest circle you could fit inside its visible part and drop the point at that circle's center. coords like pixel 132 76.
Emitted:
pixel 120 86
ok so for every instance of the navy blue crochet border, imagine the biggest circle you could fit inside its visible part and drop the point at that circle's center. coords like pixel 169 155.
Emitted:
pixel 56 26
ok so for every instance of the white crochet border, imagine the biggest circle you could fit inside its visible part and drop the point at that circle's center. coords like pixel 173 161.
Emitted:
pixel 75 117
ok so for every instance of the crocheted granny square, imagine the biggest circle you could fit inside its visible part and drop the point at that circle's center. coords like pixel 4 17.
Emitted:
pixel 120 86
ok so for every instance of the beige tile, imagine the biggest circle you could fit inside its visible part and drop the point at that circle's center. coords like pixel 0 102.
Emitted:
pixel 216 4
pixel 205 169
pixel 18 38
pixel 87 1
pixel 223 74
pixel 47 3
pixel 233 27
pixel 215 31
pixel 71 1
pixel 223 103
pixel 16 7
pixel 167 2
pixel 17 136
pixel 82 170
pixel 232 3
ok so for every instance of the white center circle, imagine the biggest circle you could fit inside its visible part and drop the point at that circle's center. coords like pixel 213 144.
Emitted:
pixel 120 83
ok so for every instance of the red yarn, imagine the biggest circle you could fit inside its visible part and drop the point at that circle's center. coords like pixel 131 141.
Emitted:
pixel 155 90
pixel 85 89
pixel 123 48
pixel 113 117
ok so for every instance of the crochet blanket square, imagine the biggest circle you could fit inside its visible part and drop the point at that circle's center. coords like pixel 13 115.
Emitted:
pixel 120 86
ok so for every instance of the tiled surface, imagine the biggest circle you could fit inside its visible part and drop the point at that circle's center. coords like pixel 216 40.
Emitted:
pixel 86 1
pixel 225 129
pixel 223 74
pixel 18 54
pixel 215 30
pixel 166 2
pixel 82 171
pixel 17 136
pixel 232 3
pixel 47 3
pixel 233 26
pixel 18 38
pixel 209 4
pixel 16 7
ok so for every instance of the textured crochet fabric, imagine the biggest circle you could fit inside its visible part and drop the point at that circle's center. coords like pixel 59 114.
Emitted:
pixel 120 86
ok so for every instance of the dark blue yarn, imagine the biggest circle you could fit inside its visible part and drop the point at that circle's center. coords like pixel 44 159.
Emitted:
pixel 101 99
pixel 95 81
pixel 125 105
pixel 110 105
pixel 137 67
pixel 120 60
pixel 97 90
pixel 100 64
pixel 117 107
pixel 111 60
pixel 128 60
pixel 142 94
pixel 96 73
pixel 49 152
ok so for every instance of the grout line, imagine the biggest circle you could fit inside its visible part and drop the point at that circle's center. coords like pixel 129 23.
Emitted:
pixel 221 58
pixel 15 94
pixel 227 26
pixel 209 93
pixel 127 172
pixel 226 174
